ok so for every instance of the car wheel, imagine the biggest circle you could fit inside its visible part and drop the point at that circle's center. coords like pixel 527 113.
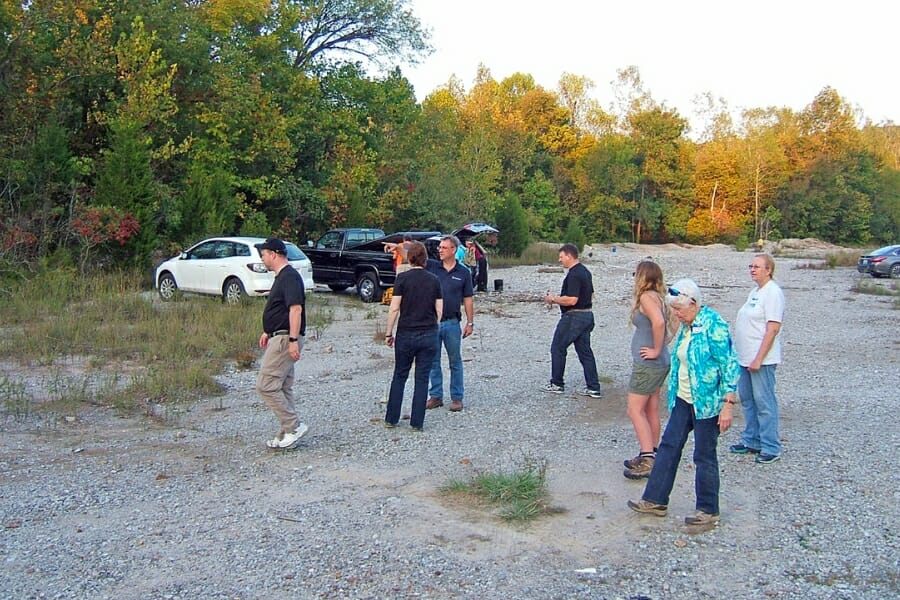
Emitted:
pixel 233 291
pixel 895 271
pixel 337 287
pixel 367 287
pixel 167 287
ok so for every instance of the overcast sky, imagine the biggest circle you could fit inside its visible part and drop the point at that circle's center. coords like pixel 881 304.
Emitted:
pixel 753 54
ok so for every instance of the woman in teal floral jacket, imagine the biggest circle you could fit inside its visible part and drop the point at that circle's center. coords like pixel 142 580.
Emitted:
pixel 702 385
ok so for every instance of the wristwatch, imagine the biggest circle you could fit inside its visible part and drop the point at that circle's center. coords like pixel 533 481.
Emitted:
pixel 292 339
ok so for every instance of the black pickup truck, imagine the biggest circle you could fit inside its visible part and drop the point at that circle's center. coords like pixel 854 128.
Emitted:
pixel 348 257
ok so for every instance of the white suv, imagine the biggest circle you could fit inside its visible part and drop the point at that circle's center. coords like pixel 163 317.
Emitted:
pixel 229 267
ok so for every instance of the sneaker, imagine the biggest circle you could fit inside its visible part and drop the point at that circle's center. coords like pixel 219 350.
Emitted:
pixel 767 459
pixel 591 393
pixel 742 449
pixel 641 470
pixel 455 405
pixel 701 518
pixel 288 440
pixel 631 463
pixel 415 429
pixel 389 425
pixel 552 388
pixel 433 403
pixel 648 508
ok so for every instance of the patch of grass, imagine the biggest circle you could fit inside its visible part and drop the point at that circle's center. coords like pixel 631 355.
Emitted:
pixel 161 352
pixel 519 495
pixel 537 253
pixel 863 286
pixel 15 399
pixel 319 315
pixel 844 258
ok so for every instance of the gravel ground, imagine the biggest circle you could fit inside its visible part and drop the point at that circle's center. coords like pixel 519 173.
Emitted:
pixel 104 506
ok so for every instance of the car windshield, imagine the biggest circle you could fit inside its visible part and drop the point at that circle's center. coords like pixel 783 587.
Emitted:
pixel 294 253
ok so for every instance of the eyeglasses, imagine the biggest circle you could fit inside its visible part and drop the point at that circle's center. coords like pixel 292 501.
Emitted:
pixel 675 293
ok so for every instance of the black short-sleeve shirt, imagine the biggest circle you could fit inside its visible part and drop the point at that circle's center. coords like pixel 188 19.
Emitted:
pixel 418 290
pixel 287 291
pixel 578 283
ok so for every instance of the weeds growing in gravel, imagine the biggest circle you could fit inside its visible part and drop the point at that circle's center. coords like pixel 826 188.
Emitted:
pixel 863 286
pixel 159 352
pixel 519 495
pixel 537 253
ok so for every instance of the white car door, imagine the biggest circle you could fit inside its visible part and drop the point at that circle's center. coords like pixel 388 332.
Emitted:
pixel 193 269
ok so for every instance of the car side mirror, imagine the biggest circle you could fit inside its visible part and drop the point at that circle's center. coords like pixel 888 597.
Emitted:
pixel 309 243
pixel 184 256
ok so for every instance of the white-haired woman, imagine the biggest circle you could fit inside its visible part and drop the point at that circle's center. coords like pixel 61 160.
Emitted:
pixel 702 384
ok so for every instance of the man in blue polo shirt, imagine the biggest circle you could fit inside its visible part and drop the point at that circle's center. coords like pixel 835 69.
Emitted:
pixel 456 288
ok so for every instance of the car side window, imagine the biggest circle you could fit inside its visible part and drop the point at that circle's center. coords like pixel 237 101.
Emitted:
pixel 203 251
pixel 224 250
pixel 241 250
pixel 330 241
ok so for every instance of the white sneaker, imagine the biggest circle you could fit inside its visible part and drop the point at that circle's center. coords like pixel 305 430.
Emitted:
pixel 288 440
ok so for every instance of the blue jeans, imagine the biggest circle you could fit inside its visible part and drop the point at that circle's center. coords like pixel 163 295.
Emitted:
pixel 410 347
pixel 757 392
pixel 706 461
pixel 574 328
pixel 450 337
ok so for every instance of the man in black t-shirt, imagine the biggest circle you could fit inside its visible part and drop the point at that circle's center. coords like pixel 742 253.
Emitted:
pixel 284 327
pixel 575 325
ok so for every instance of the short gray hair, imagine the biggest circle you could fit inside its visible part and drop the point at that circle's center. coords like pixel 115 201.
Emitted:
pixel 683 292
pixel 453 240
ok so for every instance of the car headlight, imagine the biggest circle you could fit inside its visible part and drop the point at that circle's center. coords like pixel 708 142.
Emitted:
pixel 257 267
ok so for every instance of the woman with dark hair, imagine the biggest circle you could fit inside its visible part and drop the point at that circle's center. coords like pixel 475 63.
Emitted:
pixel 702 385
pixel 416 307
pixel 650 365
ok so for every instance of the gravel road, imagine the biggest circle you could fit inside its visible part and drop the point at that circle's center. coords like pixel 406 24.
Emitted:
pixel 100 505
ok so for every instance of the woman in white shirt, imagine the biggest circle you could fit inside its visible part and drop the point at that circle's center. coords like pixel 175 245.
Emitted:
pixel 758 346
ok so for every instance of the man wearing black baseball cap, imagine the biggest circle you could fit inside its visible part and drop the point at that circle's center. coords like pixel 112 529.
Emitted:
pixel 284 326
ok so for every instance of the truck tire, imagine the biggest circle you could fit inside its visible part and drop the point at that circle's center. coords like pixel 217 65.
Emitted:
pixel 367 287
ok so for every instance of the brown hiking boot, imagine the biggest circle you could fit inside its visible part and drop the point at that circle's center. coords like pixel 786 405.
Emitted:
pixel 642 469
pixel 434 403
pixel 455 405
pixel 648 508
pixel 701 518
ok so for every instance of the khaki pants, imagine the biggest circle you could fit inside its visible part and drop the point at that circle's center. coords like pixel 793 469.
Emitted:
pixel 276 381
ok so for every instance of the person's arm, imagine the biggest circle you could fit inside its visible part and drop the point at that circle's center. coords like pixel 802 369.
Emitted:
pixel 772 329
pixel 561 300
pixel 295 317
pixel 651 307
pixel 469 307
pixel 393 314
pixel 439 308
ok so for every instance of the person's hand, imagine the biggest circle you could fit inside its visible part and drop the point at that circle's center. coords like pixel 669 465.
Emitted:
pixel 648 353
pixel 548 299
pixel 263 341
pixel 468 329
pixel 726 416
pixel 294 350
pixel 756 365
pixel 389 341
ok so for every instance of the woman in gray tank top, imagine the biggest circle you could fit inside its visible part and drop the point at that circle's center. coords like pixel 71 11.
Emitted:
pixel 650 365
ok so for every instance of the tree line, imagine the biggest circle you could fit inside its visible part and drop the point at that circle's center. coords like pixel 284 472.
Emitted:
pixel 130 128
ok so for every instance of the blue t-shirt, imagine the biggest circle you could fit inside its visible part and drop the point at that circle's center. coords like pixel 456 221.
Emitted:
pixel 456 284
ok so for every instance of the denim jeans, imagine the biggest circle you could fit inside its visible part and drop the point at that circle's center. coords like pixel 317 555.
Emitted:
pixel 706 461
pixel 450 337
pixel 757 392
pixel 410 347
pixel 574 328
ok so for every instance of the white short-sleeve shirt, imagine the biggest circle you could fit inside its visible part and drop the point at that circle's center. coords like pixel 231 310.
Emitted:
pixel 763 305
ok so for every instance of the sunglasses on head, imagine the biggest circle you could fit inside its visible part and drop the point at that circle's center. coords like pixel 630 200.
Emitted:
pixel 675 293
